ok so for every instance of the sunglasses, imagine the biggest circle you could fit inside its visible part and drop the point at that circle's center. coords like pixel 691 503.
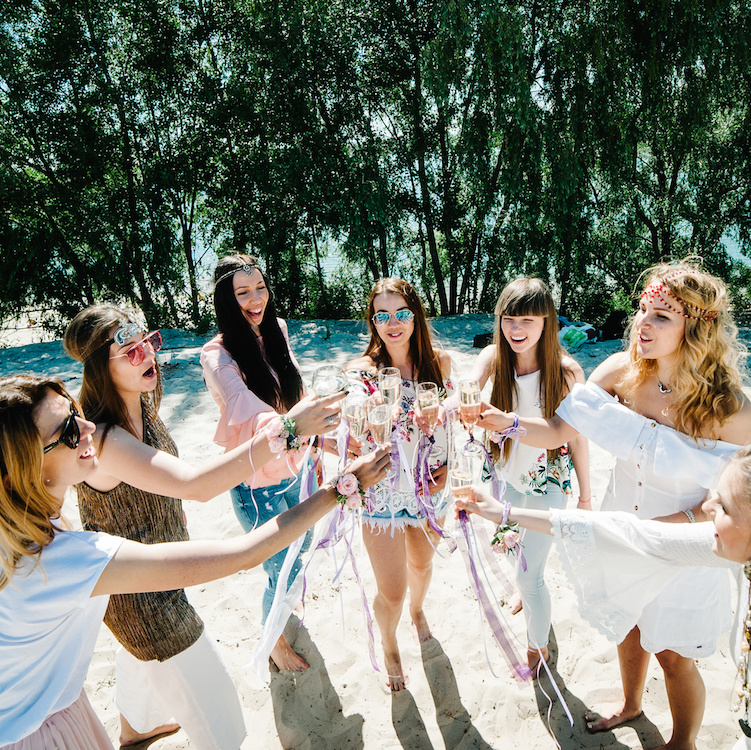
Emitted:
pixel 137 353
pixel 401 316
pixel 70 434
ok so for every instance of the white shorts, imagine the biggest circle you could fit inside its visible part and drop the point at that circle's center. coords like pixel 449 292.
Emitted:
pixel 193 688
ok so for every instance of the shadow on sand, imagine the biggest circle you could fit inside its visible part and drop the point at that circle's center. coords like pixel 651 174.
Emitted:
pixel 307 709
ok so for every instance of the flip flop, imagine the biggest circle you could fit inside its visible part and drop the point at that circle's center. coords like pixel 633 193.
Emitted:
pixel 143 744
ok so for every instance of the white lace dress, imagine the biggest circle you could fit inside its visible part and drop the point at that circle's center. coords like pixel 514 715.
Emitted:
pixel 658 471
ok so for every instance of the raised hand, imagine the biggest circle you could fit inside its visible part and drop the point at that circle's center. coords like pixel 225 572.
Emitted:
pixel 316 416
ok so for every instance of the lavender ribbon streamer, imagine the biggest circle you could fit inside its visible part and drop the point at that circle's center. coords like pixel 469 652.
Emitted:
pixel 424 499
pixel 507 648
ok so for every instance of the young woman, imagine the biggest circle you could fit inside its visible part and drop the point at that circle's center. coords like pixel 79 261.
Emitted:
pixel 618 563
pixel 680 380
pixel 252 375
pixel 531 376
pixel 399 541
pixel 54 583
pixel 132 493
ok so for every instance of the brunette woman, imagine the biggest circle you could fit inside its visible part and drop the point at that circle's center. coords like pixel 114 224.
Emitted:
pixel 253 376
pixel 399 540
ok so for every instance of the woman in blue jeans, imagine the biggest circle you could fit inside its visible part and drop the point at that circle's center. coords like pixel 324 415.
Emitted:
pixel 253 377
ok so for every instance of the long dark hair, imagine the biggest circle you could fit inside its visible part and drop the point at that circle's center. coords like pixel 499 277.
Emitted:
pixel 257 366
pixel 425 364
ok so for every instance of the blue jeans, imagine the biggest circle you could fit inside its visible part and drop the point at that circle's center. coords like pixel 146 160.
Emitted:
pixel 270 501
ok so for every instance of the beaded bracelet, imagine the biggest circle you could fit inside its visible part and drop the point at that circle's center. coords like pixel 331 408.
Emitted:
pixel 348 491
pixel 690 516
pixel 280 433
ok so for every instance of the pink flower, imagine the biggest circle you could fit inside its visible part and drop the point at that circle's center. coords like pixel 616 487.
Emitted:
pixel 274 429
pixel 353 501
pixel 495 437
pixel 347 485
pixel 510 539
pixel 277 444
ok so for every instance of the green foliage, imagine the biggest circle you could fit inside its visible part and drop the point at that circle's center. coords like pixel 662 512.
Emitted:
pixel 459 143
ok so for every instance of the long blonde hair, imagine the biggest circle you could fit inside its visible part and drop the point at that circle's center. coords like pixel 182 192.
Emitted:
pixel 519 298
pixel 706 381
pixel 26 506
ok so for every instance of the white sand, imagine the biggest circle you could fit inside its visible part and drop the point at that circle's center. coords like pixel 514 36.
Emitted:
pixel 453 700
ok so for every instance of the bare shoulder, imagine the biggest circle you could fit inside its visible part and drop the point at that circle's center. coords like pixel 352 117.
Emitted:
pixel 444 362
pixel 610 372
pixel 738 428
pixel 573 370
pixel 283 326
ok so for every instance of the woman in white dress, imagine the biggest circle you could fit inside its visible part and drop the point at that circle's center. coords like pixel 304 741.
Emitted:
pixel 680 377
pixel 618 564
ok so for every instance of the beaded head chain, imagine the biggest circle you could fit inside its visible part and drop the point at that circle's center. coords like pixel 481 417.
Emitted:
pixel 658 291
pixel 247 268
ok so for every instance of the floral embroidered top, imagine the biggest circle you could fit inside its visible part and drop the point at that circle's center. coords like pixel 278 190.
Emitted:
pixel 406 437
pixel 530 471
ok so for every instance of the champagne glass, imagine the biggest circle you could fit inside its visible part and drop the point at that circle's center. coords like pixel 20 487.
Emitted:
pixel 356 411
pixel 461 474
pixel 427 400
pixel 390 384
pixel 469 409
pixel 328 380
pixel 379 420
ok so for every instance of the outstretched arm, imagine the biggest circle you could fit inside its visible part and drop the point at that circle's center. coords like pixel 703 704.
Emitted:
pixel 476 500
pixel 124 458
pixel 139 567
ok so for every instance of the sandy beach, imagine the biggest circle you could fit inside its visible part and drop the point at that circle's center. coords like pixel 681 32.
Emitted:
pixel 454 699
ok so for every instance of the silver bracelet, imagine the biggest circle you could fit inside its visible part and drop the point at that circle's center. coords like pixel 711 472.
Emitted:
pixel 689 515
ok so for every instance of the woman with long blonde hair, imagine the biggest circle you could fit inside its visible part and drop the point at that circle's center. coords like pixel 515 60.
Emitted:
pixel 680 376
pixel 531 375
pixel 55 583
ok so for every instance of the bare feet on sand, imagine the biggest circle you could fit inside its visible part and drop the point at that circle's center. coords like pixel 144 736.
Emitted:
pixel 611 715
pixel 533 656
pixel 132 739
pixel 515 603
pixel 394 672
pixel 423 629
pixel 285 658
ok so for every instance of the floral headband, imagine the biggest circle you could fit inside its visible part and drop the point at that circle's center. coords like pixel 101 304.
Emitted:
pixel 694 312
pixel 247 268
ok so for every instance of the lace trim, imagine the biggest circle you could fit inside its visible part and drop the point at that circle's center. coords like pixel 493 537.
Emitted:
pixel 579 557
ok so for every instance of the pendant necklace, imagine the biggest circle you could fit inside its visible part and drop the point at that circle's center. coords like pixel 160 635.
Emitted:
pixel 663 388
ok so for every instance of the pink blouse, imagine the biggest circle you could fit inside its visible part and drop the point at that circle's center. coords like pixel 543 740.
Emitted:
pixel 243 414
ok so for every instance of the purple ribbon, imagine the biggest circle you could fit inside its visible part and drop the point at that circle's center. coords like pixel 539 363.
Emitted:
pixel 423 498
pixel 507 649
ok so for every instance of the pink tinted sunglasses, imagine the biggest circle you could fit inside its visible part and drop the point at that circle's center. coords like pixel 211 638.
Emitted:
pixel 137 353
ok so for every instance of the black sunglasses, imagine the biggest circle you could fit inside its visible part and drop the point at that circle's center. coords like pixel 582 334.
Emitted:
pixel 70 434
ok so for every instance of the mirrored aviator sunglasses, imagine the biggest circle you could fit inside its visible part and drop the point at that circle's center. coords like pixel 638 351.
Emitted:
pixel 70 435
pixel 402 316
pixel 137 353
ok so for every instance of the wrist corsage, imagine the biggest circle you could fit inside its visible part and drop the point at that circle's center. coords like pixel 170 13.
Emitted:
pixel 506 538
pixel 280 433
pixel 348 491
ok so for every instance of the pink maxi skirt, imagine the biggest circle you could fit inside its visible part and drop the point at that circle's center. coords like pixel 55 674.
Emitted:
pixel 74 728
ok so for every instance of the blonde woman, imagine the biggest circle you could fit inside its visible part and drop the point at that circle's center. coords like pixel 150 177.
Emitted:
pixel 680 375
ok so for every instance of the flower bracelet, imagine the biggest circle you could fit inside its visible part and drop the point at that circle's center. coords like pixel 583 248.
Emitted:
pixel 506 537
pixel 348 491
pixel 280 433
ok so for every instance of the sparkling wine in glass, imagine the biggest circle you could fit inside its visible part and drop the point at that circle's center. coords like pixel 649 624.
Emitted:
pixel 427 400
pixel 328 380
pixel 390 384
pixel 469 408
pixel 379 420
pixel 461 475
pixel 356 413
